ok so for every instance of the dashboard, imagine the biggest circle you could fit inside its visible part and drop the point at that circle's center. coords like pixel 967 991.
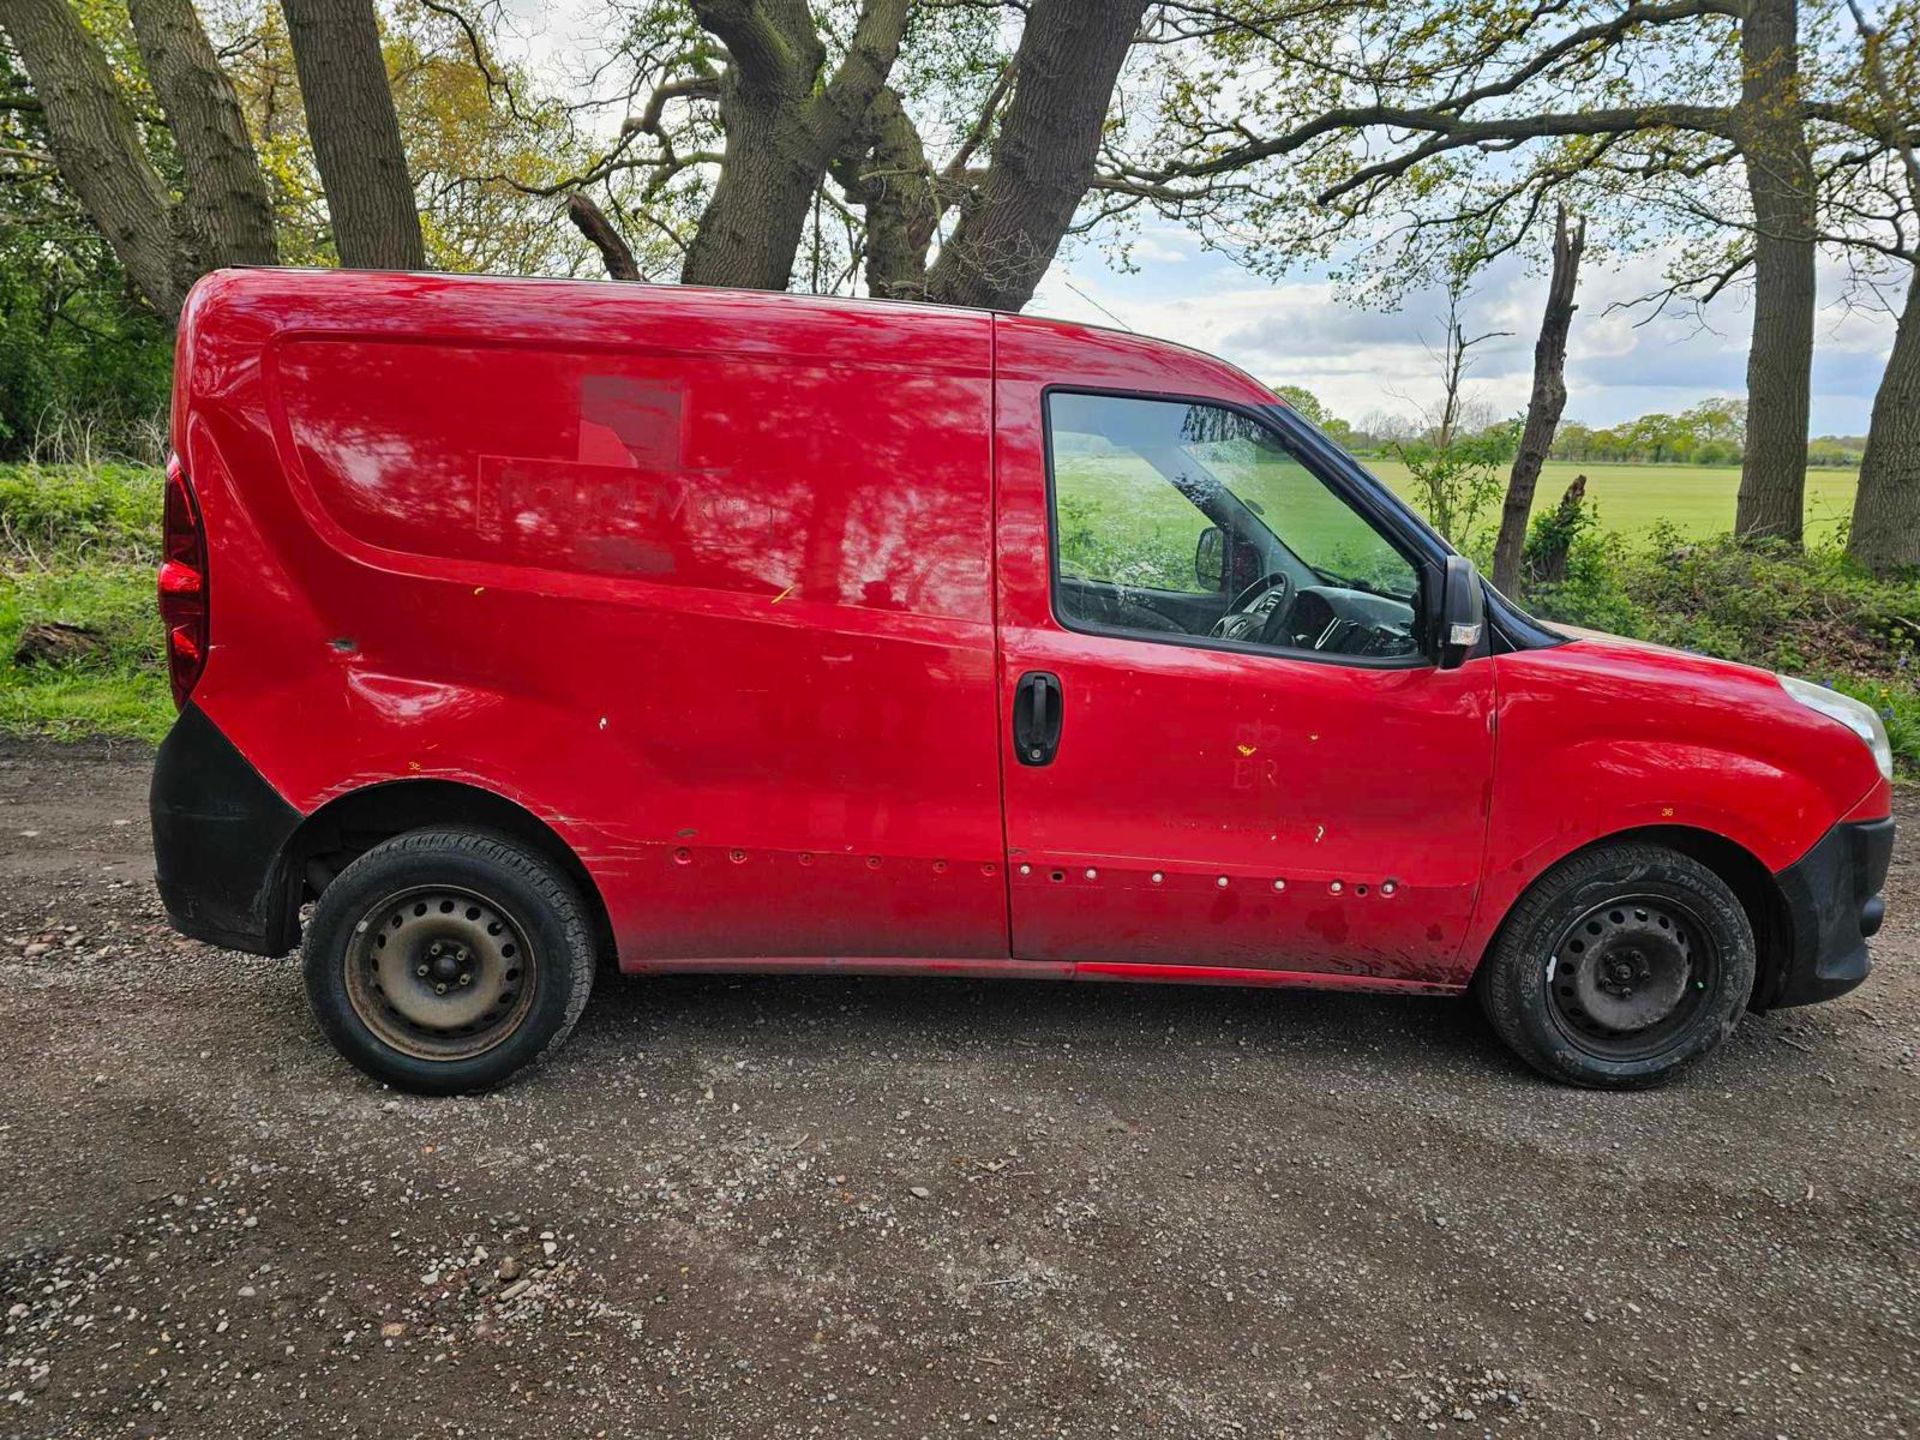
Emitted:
pixel 1333 620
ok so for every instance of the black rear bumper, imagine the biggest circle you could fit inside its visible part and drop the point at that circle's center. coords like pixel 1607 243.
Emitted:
pixel 219 838
pixel 1833 908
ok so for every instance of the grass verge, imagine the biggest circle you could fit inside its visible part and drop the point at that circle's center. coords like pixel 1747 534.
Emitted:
pixel 79 545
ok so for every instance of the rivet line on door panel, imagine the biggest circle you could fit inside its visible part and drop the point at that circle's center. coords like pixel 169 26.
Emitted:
pixel 1357 889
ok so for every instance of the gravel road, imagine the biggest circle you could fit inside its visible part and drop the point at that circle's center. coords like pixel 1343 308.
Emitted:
pixel 788 1207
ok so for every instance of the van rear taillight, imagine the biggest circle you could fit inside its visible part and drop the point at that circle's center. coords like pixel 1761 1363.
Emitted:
pixel 183 585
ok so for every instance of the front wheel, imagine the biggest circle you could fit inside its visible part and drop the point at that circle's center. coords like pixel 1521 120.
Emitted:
pixel 1619 967
pixel 443 961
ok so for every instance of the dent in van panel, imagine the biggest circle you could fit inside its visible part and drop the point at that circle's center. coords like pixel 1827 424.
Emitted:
pixel 404 700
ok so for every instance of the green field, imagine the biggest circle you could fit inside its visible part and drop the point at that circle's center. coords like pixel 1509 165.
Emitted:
pixel 1697 499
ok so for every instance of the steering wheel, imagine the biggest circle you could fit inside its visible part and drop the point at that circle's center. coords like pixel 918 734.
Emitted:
pixel 1247 617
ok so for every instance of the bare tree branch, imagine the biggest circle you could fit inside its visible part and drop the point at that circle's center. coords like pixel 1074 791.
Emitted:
pixel 591 221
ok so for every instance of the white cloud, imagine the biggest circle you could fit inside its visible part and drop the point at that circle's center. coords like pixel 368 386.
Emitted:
pixel 1161 245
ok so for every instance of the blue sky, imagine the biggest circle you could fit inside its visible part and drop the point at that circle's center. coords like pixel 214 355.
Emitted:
pixel 1299 331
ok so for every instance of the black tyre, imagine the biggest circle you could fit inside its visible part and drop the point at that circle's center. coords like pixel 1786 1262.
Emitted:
pixel 445 961
pixel 1619 967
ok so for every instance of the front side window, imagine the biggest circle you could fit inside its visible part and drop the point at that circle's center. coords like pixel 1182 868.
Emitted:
pixel 1181 519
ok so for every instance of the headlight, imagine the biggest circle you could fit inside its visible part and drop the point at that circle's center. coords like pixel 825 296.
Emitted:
pixel 1856 715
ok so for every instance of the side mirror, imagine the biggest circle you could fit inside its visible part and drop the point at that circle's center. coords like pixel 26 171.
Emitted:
pixel 1210 558
pixel 1463 613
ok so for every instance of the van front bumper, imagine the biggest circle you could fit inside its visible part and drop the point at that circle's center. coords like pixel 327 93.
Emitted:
pixel 219 832
pixel 1834 907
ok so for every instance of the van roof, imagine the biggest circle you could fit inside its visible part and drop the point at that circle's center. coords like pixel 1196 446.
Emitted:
pixel 287 297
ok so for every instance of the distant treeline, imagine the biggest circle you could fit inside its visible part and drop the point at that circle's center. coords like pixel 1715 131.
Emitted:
pixel 1711 433
pixel 1714 432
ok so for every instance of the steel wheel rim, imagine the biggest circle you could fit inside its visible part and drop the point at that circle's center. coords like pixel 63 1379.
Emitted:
pixel 1628 976
pixel 440 972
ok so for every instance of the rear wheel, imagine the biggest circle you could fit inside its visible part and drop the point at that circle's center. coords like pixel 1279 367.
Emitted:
pixel 1619 967
pixel 444 961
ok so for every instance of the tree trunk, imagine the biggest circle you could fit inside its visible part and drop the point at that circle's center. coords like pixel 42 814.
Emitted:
pixel 751 228
pixel 58 642
pixel 888 177
pixel 1069 58
pixel 227 201
pixel 98 149
pixel 1780 183
pixel 783 128
pixel 355 134
pixel 1544 406
pixel 1549 565
pixel 1885 536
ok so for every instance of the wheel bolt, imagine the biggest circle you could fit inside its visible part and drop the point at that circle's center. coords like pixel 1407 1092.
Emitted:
pixel 439 989
pixel 421 971
pixel 466 979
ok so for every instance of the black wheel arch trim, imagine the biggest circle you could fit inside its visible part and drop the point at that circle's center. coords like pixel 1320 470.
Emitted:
pixel 1833 907
pixel 220 836
pixel 234 859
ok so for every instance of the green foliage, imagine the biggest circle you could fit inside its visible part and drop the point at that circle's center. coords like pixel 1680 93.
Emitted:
pixel 1567 541
pixel 67 513
pixel 1769 605
pixel 85 366
pixel 1899 707
pixel 111 597
pixel 82 366
pixel 82 371
pixel 79 546
pixel 1709 434
pixel 77 704
pixel 123 692
pixel 1457 484
pixel 1834 452
pixel 1306 402
pixel 1311 407
pixel 1697 499
pixel 1091 545
pixel 1554 532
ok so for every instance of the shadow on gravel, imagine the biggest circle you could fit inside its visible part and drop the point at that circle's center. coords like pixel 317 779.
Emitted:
pixel 874 1015
pixel 1408 1044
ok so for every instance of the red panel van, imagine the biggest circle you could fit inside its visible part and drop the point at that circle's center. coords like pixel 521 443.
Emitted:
pixel 516 624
